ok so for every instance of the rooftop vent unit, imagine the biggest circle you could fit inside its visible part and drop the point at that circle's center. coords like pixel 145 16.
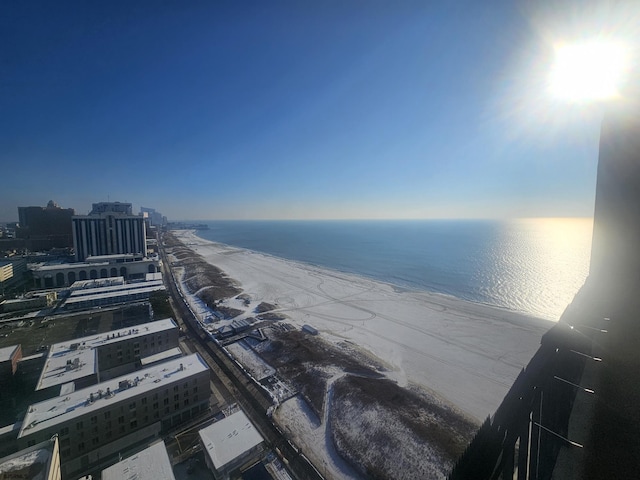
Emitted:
pixel 74 346
pixel 124 384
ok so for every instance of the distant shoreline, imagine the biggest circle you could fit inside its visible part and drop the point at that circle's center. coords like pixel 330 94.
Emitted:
pixel 466 353
pixel 540 321
pixel 531 266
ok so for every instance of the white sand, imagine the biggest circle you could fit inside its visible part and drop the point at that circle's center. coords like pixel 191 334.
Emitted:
pixel 468 354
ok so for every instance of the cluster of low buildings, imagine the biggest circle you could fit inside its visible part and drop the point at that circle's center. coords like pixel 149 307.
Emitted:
pixel 104 402
pixel 119 391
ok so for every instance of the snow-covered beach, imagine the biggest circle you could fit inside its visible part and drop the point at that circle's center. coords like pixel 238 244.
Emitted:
pixel 467 354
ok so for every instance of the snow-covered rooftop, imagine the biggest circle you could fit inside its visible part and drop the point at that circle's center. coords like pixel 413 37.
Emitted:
pixel 96 282
pixel 130 287
pixel 144 288
pixel 63 408
pixel 7 352
pixel 167 354
pixel 229 439
pixel 152 463
pixel 33 462
pixel 73 359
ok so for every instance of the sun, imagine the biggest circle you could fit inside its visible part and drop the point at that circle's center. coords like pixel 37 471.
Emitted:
pixel 588 71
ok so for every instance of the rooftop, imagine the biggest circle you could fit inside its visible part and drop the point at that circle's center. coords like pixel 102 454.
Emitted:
pixel 89 296
pixel 33 462
pixel 91 399
pixel 152 463
pixel 167 354
pixel 73 359
pixel 85 292
pixel 96 283
pixel 7 352
pixel 229 439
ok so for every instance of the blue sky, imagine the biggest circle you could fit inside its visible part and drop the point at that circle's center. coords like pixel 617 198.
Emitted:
pixel 333 109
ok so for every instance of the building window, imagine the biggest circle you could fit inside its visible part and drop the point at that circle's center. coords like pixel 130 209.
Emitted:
pixel 81 446
pixel 185 386
pixel 121 419
pixel 166 401
pixel 134 424
pixel 186 402
pixel 144 401
pixel 132 405
pixel 155 405
pixel 79 426
pixel 156 415
pixel 176 406
pixel 107 415
pixel 195 389
pixel 64 431
pixel 155 396
pixel 176 397
pixel 176 388
pixel 94 420
pixel 95 441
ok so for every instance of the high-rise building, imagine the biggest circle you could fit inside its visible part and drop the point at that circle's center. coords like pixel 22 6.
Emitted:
pixel 156 219
pixel 110 229
pixel 45 227
pixel 616 230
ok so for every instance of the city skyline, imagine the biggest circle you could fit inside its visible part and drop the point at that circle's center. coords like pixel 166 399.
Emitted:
pixel 297 111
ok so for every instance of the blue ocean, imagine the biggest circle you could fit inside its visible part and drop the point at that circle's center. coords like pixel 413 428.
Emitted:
pixel 533 266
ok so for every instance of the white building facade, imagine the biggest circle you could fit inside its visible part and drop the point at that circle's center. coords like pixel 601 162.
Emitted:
pixel 110 229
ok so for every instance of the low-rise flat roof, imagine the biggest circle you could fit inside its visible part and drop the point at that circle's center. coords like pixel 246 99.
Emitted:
pixel 72 301
pixel 229 439
pixel 152 463
pixel 74 359
pixel 7 352
pixel 129 287
pixel 96 282
pixel 32 462
pixel 167 354
pixel 65 408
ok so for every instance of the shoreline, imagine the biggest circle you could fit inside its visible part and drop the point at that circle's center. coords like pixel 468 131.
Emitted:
pixel 464 352
pixel 526 316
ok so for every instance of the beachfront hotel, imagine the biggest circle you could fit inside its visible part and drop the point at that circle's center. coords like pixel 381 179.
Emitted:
pixel 81 362
pixel 96 424
pixel 109 229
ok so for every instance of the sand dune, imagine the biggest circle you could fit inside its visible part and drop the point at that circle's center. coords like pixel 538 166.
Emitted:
pixel 468 354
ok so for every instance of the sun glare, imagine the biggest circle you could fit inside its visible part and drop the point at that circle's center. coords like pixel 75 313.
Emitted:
pixel 588 71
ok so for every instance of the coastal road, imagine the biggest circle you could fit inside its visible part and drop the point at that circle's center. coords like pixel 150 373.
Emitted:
pixel 233 383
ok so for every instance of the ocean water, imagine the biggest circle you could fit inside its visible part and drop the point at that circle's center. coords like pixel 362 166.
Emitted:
pixel 534 266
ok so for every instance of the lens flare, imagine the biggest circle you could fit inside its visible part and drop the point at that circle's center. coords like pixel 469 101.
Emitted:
pixel 589 71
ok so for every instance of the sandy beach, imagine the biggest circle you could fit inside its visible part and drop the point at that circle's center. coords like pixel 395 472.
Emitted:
pixel 465 353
